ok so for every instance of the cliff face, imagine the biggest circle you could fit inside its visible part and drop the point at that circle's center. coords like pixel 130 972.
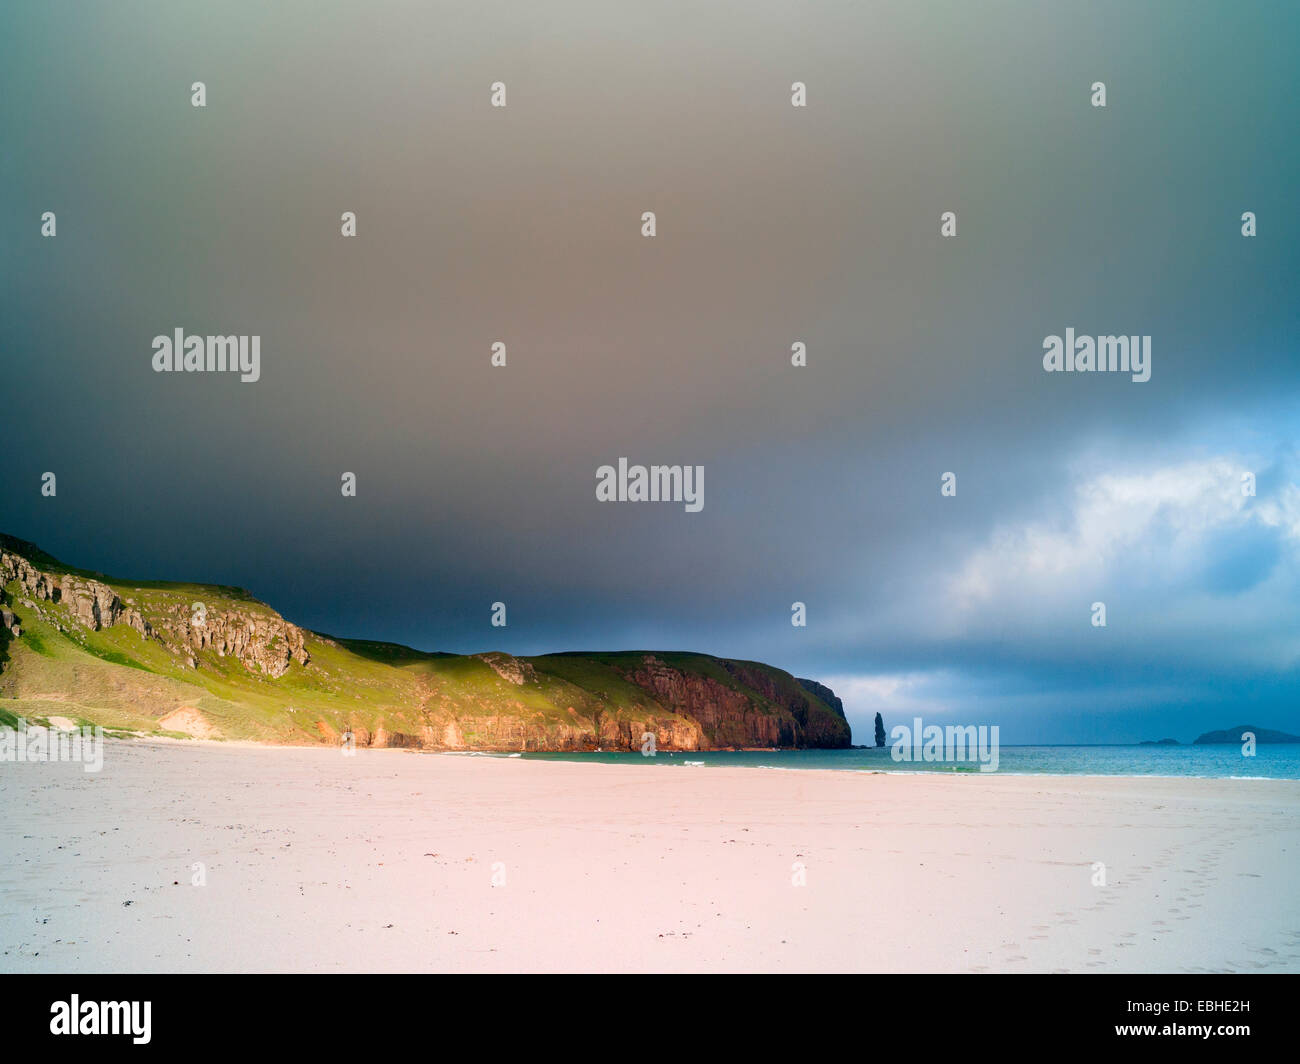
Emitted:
pixel 725 715
pixel 730 715
pixel 265 643
pixel 607 731
pixel 37 586
pixel 824 693
pixel 212 661
pixel 90 604
pixel 261 641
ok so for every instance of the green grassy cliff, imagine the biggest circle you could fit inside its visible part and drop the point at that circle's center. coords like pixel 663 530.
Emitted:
pixel 210 661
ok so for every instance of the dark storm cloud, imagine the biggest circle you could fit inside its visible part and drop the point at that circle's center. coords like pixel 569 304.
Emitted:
pixel 775 225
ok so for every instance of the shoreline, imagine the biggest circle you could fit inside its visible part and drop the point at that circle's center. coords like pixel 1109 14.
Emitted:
pixel 568 757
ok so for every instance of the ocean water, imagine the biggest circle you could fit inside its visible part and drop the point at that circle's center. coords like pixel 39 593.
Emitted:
pixel 1280 761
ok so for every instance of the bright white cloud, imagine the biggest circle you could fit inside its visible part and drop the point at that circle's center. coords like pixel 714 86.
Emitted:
pixel 1160 529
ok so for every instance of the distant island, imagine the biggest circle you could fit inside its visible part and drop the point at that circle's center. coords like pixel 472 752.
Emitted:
pixel 1233 735
pixel 1230 735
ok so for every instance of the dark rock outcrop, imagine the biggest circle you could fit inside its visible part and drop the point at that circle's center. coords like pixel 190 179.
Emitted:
pixel 731 717
pixel 262 641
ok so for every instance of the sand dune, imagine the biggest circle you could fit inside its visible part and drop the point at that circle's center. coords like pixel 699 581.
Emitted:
pixel 313 861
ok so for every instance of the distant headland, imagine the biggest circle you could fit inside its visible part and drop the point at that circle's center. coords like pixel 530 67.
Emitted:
pixel 148 657
pixel 1234 735
pixel 1230 735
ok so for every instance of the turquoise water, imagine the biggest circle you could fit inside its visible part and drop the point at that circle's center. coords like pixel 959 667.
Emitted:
pixel 1218 762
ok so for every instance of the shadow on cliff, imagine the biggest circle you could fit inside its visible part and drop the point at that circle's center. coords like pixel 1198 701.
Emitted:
pixel 5 635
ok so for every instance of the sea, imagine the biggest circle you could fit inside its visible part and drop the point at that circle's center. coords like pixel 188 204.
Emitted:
pixel 1270 761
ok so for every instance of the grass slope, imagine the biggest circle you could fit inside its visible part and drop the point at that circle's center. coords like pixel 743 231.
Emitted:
pixel 387 693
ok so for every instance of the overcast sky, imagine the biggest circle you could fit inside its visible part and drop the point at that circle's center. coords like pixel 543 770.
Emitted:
pixel 775 224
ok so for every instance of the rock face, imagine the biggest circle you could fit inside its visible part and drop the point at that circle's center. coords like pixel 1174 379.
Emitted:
pixel 262 641
pixel 729 717
pixel 92 604
pixel 824 693
pixel 509 732
pixel 510 669
pixel 35 584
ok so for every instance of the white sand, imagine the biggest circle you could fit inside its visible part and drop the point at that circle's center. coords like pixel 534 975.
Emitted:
pixel 384 861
